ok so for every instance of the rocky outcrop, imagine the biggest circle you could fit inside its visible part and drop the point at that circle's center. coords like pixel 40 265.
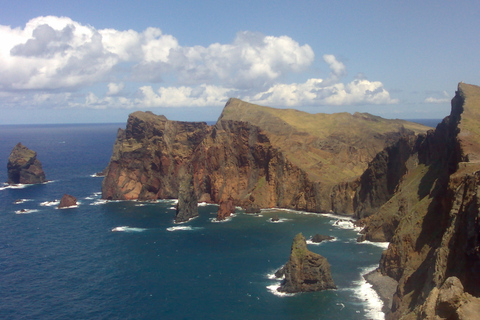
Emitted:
pixel 305 271
pixel 320 238
pixel 67 201
pixel 450 301
pixel 257 157
pixel 187 206
pixel 225 209
pixel 147 156
pixel 24 167
pixel 425 202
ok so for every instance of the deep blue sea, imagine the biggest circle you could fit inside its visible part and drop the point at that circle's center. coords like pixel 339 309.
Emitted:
pixel 128 260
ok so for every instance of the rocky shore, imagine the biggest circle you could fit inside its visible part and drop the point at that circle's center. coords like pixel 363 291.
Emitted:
pixel 384 286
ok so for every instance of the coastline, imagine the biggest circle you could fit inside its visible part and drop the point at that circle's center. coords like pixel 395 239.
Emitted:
pixel 385 287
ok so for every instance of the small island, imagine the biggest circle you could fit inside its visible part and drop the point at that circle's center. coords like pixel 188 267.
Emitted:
pixel 24 167
pixel 305 271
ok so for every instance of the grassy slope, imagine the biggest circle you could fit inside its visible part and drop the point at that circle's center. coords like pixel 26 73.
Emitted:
pixel 330 147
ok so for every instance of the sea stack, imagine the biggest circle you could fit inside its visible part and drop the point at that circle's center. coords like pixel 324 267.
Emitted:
pixel 67 201
pixel 24 167
pixel 225 209
pixel 187 206
pixel 305 271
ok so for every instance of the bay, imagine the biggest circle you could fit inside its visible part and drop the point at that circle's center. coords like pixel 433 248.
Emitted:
pixel 128 260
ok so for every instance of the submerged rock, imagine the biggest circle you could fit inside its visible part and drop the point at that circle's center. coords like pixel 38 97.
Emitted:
pixel 67 201
pixel 319 238
pixel 187 206
pixel 275 218
pixel 24 167
pixel 305 271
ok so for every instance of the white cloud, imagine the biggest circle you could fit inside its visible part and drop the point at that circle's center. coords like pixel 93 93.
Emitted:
pixel 444 98
pixel 319 92
pixel 201 96
pixel 58 62
pixel 115 88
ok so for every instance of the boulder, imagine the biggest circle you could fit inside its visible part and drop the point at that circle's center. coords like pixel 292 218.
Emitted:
pixel 275 218
pixel 24 167
pixel 319 238
pixel 67 201
pixel 305 271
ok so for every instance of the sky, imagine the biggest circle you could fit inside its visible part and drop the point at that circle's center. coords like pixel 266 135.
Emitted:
pixel 98 61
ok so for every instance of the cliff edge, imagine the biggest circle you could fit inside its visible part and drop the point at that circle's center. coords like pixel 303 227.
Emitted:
pixel 254 156
pixel 422 195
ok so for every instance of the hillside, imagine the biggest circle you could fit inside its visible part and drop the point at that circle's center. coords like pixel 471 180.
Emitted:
pixel 254 156
pixel 428 209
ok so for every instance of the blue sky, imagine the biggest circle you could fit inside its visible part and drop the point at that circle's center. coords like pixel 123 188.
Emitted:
pixel 98 61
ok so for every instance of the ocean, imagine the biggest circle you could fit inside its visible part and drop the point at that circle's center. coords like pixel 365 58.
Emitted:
pixel 128 260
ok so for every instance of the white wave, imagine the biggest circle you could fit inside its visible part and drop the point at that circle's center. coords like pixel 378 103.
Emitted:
pixel 15 186
pixel 183 228
pixel 364 292
pixel 290 211
pixel 71 207
pixel 99 202
pixel 19 201
pixel 346 224
pixel 337 216
pixel 273 288
pixel 97 193
pixel 280 220
pixel 127 229
pixel 227 219
pixel 140 205
pixel 309 241
pixel 96 175
pixel 50 203
pixel 383 245
pixel 26 211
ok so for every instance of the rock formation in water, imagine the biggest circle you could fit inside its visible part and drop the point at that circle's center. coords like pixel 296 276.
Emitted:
pixel 258 157
pixel 24 167
pixel 319 238
pixel 67 201
pixel 225 209
pixel 187 206
pixel 422 196
pixel 305 271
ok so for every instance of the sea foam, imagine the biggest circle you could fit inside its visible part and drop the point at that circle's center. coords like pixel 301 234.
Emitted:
pixel 182 228
pixel 26 211
pixel 364 292
pixel 50 203
pixel 127 229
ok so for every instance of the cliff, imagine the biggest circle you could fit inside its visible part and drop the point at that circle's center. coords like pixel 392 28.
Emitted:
pixel 305 270
pixel 255 156
pixel 147 156
pixel 24 167
pixel 421 195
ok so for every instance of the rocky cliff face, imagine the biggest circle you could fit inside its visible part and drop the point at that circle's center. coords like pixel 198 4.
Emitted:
pixel 305 271
pixel 254 157
pixel 147 156
pixel 187 206
pixel 24 167
pixel 425 202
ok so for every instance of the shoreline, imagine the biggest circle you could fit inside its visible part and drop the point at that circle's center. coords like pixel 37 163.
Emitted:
pixel 384 286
